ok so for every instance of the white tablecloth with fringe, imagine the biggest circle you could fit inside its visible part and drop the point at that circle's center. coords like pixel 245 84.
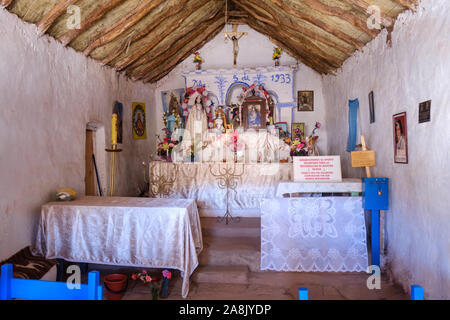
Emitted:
pixel 141 232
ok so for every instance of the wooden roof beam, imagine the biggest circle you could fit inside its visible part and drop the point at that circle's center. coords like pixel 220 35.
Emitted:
pixel 5 3
pixel 318 23
pixel 128 60
pixel 156 22
pixel 50 17
pixel 270 20
pixel 409 4
pixel 363 6
pixel 341 14
pixel 284 43
pixel 95 16
pixel 181 55
pixel 154 60
pixel 122 25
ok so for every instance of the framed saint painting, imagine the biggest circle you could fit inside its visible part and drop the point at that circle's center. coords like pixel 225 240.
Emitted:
pixel 298 130
pixel 400 138
pixel 138 118
pixel 305 101
pixel 254 111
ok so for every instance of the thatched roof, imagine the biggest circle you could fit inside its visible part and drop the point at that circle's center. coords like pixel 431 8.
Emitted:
pixel 147 38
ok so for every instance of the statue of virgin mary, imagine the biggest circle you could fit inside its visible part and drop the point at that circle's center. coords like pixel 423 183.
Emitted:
pixel 196 128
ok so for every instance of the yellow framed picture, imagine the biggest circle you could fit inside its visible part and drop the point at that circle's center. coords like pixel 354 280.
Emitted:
pixel 138 119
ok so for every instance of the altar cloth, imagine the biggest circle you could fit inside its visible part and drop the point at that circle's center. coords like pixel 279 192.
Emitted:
pixel 346 186
pixel 140 232
pixel 204 182
pixel 313 234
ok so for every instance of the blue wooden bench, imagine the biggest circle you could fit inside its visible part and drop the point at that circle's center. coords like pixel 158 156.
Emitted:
pixel 11 288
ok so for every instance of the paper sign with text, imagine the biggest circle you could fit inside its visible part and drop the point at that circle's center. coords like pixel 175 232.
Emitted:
pixel 317 169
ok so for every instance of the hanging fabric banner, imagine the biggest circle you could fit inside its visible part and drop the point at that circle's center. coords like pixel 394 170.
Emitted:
pixel 352 124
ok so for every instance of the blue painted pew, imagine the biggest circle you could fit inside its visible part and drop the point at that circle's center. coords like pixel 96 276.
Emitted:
pixel 302 294
pixel 11 288
pixel 416 292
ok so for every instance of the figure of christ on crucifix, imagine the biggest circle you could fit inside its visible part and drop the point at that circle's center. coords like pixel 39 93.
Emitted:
pixel 235 36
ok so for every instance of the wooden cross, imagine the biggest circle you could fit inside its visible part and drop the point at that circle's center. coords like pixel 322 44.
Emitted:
pixel 235 36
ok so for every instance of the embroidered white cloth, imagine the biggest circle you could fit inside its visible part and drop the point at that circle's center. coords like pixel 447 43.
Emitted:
pixel 313 234
pixel 347 185
pixel 141 232
pixel 202 181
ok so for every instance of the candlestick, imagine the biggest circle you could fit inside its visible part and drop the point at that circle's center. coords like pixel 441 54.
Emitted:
pixel 114 129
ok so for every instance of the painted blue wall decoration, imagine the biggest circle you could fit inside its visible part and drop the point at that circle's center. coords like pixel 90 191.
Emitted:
pixel 353 106
pixel 276 79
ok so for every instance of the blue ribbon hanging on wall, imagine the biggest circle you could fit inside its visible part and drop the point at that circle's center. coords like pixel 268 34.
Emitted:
pixel 353 106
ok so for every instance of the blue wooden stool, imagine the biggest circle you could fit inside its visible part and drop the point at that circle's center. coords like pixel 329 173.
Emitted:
pixel 11 288
pixel 375 198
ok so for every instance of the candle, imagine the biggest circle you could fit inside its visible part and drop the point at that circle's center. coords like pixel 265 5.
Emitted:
pixel 114 129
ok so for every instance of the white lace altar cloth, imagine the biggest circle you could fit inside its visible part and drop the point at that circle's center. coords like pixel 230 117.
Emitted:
pixel 197 181
pixel 141 232
pixel 313 234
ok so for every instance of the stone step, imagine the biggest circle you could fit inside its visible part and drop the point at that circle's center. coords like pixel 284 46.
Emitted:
pixel 227 251
pixel 246 227
pixel 221 274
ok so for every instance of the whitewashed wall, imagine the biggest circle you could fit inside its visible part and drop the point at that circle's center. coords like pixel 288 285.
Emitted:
pixel 47 96
pixel 255 50
pixel 415 69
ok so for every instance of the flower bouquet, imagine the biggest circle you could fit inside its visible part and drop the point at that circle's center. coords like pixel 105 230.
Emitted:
pixel 197 60
pixel 277 55
pixel 166 145
pixel 146 279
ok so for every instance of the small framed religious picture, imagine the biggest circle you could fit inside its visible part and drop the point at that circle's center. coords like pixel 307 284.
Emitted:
pixel 425 111
pixel 298 130
pixel 118 109
pixel 282 129
pixel 254 111
pixel 371 107
pixel 138 118
pixel 400 138
pixel 305 101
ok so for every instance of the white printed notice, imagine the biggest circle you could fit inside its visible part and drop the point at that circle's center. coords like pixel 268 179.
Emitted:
pixel 317 169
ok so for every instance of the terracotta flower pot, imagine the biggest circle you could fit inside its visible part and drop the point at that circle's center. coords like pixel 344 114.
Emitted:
pixel 115 285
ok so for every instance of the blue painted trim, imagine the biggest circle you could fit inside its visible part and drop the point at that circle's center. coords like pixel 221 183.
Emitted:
pixel 416 292
pixel 286 105
pixel 302 294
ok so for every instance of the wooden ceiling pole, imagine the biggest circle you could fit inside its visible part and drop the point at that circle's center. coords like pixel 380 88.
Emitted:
pixel 95 16
pixel 5 3
pixel 156 22
pixel 50 17
pixel 318 23
pixel 153 60
pixel 123 24
pixel 267 19
pixel 128 60
pixel 182 55
pixel 341 14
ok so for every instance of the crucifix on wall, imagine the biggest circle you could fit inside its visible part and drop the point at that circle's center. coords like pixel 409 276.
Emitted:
pixel 235 36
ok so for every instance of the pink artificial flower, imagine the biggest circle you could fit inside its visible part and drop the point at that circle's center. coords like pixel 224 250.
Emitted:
pixel 318 125
pixel 144 271
pixel 148 278
pixel 134 277
pixel 171 145
pixel 167 274
pixel 173 139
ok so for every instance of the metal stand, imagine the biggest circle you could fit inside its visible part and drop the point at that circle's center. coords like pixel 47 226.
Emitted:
pixel 227 179
pixel 113 151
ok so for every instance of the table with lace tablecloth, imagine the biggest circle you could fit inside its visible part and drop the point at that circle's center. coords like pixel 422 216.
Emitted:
pixel 141 232
pixel 313 234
